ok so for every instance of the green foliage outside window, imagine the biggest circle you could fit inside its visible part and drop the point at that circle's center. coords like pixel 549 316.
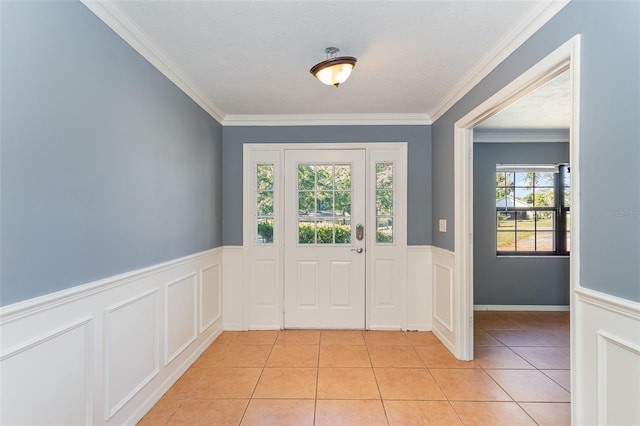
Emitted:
pixel 384 236
pixel 265 231
pixel 325 234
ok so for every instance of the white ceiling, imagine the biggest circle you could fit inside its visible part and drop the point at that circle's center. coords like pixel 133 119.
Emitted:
pixel 248 61
pixel 548 107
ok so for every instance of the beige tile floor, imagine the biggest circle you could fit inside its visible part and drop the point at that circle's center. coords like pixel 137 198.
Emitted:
pixel 317 377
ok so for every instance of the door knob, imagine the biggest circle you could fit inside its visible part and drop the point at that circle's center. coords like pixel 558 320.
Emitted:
pixel 358 250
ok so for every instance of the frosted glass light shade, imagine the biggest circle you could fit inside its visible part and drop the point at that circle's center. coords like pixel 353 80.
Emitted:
pixel 335 71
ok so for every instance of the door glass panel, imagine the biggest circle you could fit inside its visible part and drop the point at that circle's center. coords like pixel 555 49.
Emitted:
pixel 306 203
pixel 384 175
pixel 265 231
pixel 384 202
pixel 384 230
pixel 264 173
pixel 343 204
pixel 325 177
pixel 343 176
pixel 306 177
pixel 343 231
pixel 324 203
pixel 306 232
pixel 264 203
pixel 324 233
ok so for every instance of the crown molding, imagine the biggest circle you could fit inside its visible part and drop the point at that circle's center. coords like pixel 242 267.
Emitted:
pixel 116 19
pixel 520 135
pixel 113 16
pixel 379 119
pixel 525 28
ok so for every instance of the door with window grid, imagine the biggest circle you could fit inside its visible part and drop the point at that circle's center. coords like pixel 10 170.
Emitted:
pixel 325 239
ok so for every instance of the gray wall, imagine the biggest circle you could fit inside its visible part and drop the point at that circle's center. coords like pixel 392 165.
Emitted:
pixel 609 135
pixel 106 166
pixel 418 174
pixel 512 280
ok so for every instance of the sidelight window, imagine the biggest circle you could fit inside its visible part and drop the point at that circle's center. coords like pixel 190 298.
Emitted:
pixel 385 195
pixel 264 199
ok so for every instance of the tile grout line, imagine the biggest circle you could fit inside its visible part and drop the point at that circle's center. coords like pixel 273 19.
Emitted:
pixel 535 368
pixel 486 371
pixel 375 377
pixel 510 396
pixel 439 387
pixel 189 393
pixel 244 413
pixel 315 400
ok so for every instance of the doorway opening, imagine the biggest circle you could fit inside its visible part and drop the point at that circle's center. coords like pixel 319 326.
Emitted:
pixel 521 244
pixel 565 58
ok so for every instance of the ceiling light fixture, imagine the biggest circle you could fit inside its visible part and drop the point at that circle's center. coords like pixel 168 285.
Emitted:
pixel 334 71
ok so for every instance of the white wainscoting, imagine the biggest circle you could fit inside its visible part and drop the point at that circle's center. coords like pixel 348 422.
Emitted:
pixel 234 299
pixel 444 306
pixel 105 352
pixel 255 311
pixel 606 360
pixel 131 348
pixel 419 288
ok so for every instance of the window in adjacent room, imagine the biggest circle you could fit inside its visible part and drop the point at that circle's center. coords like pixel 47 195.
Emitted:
pixel 532 209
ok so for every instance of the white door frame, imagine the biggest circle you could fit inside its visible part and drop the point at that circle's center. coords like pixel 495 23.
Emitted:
pixel 262 298
pixel 564 58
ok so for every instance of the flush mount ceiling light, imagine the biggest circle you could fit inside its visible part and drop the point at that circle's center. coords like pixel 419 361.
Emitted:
pixel 334 71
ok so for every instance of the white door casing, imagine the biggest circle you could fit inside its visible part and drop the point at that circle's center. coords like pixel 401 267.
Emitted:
pixel 566 57
pixel 262 284
pixel 324 279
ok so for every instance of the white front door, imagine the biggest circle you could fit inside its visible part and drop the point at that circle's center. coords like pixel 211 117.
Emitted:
pixel 325 239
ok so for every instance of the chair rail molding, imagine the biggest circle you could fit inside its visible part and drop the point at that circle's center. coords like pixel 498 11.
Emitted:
pixel 606 360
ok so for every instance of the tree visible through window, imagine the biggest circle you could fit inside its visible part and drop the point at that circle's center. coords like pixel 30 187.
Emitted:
pixel 324 203
pixel 264 203
pixel 532 209
pixel 384 202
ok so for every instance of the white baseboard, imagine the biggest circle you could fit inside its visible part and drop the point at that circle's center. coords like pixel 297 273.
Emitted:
pixel 605 359
pixel 543 308
pixel 106 351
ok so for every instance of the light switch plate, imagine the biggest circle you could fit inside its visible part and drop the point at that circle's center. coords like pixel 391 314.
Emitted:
pixel 442 224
